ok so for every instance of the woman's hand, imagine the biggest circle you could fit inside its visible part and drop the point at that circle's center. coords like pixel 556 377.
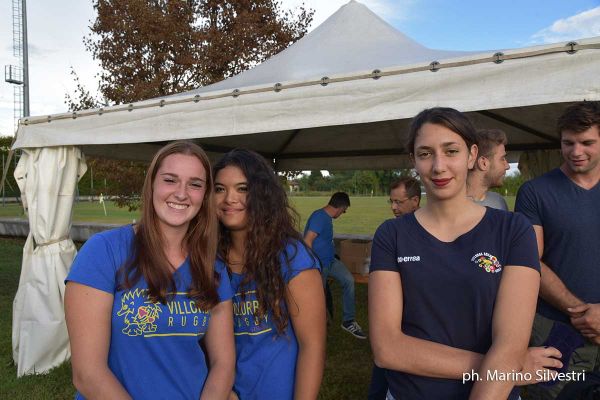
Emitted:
pixel 233 396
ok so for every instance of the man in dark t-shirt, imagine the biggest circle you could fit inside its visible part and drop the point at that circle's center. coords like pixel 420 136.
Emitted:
pixel 564 207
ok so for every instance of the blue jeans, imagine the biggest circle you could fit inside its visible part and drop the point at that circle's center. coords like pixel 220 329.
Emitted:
pixel 338 271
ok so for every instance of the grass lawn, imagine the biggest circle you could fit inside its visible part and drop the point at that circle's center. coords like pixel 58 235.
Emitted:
pixel 348 365
pixel 363 217
pixel 57 384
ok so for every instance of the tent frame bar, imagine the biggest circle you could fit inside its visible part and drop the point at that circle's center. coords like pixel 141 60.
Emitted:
pixel 496 58
pixel 520 126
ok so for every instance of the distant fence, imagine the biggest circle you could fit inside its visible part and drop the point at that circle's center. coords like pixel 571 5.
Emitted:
pixel 80 231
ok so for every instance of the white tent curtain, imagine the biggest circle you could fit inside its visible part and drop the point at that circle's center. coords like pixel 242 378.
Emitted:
pixel 47 178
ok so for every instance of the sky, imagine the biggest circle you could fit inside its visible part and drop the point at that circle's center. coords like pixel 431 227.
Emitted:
pixel 56 30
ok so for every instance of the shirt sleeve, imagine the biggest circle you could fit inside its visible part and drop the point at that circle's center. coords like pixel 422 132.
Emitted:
pixel 224 290
pixel 314 224
pixel 526 204
pixel 523 247
pixel 94 265
pixel 384 250
pixel 503 203
pixel 300 259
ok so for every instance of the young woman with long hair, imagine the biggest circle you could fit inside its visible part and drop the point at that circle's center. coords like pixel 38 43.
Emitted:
pixel 453 287
pixel 141 299
pixel 278 305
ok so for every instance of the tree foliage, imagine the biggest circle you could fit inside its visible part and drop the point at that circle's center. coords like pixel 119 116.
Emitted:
pixel 511 184
pixel 10 186
pixel 152 48
pixel 354 182
pixel 119 179
pixel 82 99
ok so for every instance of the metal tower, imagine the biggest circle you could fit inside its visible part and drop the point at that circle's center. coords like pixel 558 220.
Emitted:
pixel 19 74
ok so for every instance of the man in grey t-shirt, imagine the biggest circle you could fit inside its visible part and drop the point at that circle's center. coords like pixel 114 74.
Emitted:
pixel 489 169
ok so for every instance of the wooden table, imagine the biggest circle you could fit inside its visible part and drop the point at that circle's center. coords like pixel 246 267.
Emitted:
pixel 359 278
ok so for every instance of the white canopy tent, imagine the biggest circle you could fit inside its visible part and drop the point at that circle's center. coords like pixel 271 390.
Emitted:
pixel 354 118
pixel 340 98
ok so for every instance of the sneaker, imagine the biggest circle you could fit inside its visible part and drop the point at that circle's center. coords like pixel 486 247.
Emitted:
pixel 354 328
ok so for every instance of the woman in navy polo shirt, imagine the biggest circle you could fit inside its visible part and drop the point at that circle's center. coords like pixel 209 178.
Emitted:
pixel 278 303
pixel 453 286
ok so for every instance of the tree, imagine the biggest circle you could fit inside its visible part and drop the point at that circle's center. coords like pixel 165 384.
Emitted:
pixel 511 184
pixel 82 99
pixel 10 185
pixel 152 48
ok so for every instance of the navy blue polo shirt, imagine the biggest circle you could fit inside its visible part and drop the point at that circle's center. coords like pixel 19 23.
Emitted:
pixel 450 288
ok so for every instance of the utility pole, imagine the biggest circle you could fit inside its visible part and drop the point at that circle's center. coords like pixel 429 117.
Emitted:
pixel 19 74
pixel 25 61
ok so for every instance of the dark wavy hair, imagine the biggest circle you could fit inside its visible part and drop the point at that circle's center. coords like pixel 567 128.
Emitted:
pixel 148 258
pixel 272 225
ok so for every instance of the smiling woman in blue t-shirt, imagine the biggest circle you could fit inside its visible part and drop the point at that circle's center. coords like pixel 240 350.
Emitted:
pixel 141 299
pixel 278 303
pixel 453 286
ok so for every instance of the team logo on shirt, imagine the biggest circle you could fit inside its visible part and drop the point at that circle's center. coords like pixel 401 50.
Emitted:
pixel 139 313
pixel 487 262
pixel 245 321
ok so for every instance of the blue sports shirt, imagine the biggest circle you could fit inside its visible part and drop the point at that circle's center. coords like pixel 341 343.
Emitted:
pixel 154 348
pixel 322 224
pixel 266 361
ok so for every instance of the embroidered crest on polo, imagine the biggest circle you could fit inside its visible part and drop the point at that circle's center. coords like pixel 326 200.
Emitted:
pixel 409 259
pixel 487 262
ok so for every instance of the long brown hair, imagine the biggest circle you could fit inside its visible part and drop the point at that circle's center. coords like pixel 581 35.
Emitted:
pixel 148 256
pixel 271 228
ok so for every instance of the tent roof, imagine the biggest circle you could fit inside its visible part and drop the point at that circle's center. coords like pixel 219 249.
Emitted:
pixel 352 39
pixel 355 117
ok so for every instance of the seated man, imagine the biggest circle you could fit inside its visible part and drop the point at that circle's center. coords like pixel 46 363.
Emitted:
pixel 318 235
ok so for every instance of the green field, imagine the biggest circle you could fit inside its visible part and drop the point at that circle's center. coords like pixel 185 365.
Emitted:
pixel 363 217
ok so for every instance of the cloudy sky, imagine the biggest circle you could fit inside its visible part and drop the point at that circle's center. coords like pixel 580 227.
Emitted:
pixel 56 29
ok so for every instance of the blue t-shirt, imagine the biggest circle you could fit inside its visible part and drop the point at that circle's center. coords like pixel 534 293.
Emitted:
pixel 322 224
pixel 450 288
pixel 570 217
pixel 154 348
pixel 266 362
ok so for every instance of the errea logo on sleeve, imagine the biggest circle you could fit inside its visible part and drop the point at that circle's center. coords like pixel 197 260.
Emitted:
pixel 409 259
